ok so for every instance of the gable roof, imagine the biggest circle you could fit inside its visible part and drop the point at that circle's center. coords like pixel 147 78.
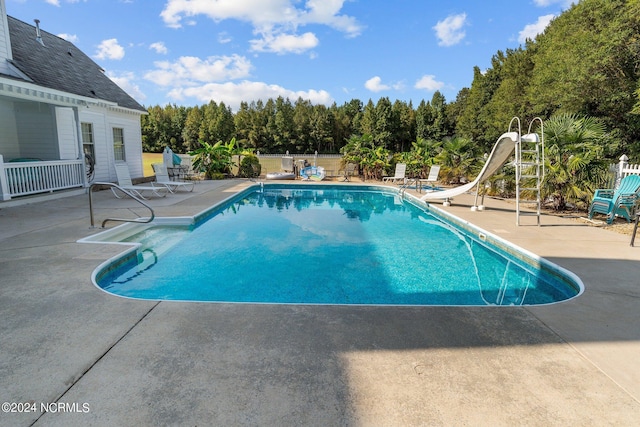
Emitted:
pixel 61 66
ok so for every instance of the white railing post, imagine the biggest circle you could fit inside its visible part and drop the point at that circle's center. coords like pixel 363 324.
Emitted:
pixel 622 165
pixel 4 185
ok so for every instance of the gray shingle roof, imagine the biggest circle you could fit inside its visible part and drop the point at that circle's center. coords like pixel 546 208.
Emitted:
pixel 61 66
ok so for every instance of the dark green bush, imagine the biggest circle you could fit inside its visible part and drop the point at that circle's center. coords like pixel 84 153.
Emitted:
pixel 249 166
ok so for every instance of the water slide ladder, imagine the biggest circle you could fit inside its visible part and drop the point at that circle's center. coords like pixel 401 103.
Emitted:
pixel 529 165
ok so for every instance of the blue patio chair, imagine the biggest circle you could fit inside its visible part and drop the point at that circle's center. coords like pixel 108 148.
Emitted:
pixel 620 202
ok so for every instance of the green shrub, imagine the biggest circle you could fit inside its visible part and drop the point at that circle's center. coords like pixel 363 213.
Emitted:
pixel 249 166
pixel 216 175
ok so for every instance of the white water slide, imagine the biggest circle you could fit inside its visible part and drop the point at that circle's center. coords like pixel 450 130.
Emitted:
pixel 499 155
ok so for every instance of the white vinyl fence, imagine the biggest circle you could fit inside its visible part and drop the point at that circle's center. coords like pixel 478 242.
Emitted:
pixel 623 169
pixel 332 163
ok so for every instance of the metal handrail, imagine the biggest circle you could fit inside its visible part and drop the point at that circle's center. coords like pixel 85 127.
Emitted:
pixel 128 193
pixel 402 189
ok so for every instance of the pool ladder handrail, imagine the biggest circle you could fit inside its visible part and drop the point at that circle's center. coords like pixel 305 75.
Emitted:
pixel 128 193
pixel 402 189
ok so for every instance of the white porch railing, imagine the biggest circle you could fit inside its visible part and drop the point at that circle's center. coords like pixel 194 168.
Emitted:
pixel 24 178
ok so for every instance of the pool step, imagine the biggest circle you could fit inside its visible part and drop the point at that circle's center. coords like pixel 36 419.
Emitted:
pixel 159 239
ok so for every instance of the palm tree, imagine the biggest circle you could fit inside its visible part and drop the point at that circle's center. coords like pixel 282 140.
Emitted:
pixel 420 158
pixel 574 160
pixel 355 150
pixel 374 162
pixel 214 159
pixel 458 159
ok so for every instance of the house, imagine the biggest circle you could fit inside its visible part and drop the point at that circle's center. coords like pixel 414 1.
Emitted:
pixel 63 122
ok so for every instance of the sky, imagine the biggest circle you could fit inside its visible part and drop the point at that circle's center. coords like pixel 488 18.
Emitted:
pixel 189 52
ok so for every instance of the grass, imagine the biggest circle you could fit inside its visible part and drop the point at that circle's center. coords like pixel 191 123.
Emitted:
pixel 147 160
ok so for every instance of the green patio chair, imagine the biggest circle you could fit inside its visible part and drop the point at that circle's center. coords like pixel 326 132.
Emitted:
pixel 620 202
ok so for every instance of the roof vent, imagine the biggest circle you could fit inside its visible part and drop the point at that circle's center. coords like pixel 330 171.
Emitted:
pixel 38 35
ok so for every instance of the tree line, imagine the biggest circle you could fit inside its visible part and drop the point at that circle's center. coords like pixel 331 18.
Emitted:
pixel 581 75
pixel 587 62
pixel 279 125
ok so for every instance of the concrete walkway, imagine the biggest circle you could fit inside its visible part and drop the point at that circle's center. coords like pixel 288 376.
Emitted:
pixel 96 359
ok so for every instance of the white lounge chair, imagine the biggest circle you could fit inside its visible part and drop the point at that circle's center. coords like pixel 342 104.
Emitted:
pixel 432 178
pixel 401 169
pixel 188 173
pixel 124 181
pixel 162 178
pixel 349 171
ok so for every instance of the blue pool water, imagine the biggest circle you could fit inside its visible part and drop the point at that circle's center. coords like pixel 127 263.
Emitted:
pixel 329 245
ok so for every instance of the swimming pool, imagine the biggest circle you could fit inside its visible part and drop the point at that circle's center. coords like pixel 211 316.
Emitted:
pixel 311 244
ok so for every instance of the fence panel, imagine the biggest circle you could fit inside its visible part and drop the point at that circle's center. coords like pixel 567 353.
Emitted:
pixel 332 163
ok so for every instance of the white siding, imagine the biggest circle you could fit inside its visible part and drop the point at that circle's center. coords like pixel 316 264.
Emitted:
pixel 104 121
pixel 67 134
pixel 132 140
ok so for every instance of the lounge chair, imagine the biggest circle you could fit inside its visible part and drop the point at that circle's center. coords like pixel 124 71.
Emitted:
pixel 620 202
pixel 434 171
pixel 188 173
pixel 349 170
pixel 124 182
pixel 162 178
pixel 401 169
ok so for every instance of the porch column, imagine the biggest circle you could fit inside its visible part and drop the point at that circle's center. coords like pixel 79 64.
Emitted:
pixel 4 185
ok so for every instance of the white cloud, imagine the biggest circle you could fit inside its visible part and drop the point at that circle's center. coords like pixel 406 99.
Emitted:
pixel 125 81
pixel 264 13
pixel 57 2
pixel 285 43
pixel 374 84
pixel 224 37
pixel 276 21
pixel 530 31
pixel 232 94
pixel 159 47
pixel 545 3
pixel 69 37
pixel 450 30
pixel 207 79
pixel 326 12
pixel 110 49
pixel 190 70
pixel 429 83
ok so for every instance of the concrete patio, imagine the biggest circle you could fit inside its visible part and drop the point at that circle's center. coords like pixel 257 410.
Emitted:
pixel 101 360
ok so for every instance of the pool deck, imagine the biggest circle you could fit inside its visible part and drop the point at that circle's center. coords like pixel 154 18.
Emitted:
pixel 63 341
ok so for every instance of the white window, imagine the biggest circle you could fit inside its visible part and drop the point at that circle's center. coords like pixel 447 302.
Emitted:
pixel 118 144
pixel 88 143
